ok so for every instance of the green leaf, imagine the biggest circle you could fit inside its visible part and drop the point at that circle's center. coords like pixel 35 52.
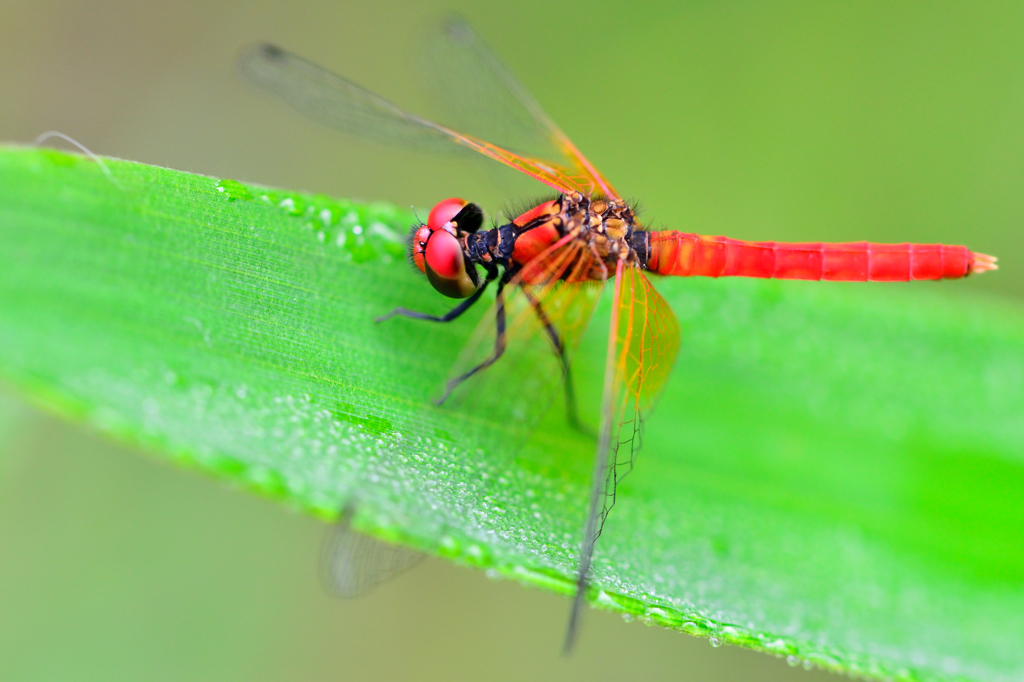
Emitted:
pixel 834 472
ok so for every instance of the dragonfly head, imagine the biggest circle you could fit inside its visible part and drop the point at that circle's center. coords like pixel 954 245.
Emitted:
pixel 438 253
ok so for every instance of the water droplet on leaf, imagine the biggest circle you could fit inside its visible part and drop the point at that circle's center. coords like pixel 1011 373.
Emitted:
pixel 233 190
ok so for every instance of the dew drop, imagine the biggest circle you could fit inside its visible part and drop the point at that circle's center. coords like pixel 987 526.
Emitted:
pixel 232 190
pixel 792 661
pixel 715 641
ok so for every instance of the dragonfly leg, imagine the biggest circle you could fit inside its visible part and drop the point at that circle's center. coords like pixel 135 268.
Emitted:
pixel 572 414
pixel 499 346
pixel 447 317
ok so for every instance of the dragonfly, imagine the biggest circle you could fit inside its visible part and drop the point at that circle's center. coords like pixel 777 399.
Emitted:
pixel 547 264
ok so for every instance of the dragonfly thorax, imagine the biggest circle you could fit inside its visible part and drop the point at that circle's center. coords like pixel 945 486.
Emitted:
pixel 599 230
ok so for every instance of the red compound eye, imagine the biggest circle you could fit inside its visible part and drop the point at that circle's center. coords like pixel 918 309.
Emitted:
pixel 444 255
pixel 438 254
pixel 446 266
pixel 419 245
pixel 444 211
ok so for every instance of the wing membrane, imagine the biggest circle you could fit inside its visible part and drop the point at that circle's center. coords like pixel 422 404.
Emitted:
pixel 642 346
pixel 355 563
pixel 546 308
pixel 646 342
pixel 487 99
pixel 341 104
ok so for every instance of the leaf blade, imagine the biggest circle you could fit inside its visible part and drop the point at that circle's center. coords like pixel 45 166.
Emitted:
pixel 832 472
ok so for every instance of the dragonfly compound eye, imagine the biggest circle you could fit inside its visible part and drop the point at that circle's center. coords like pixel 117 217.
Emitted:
pixel 446 266
pixel 444 211
pixel 419 245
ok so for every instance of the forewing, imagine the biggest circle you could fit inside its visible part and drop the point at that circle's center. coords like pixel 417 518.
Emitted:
pixel 485 98
pixel 341 104
pixel 480 94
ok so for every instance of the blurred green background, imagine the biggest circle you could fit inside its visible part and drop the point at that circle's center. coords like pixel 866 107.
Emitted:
pixel 788 121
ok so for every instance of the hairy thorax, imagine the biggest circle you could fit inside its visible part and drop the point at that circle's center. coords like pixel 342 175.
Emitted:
pixel 592 233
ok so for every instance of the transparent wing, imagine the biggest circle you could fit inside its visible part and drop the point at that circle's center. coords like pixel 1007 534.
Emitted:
pixel 646 344
pixel 341 104
pixel 354 563
pixel 643 343
pixel 485 98
pixel 546 309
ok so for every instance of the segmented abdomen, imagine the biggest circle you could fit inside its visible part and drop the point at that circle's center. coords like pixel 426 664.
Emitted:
pixel 684 255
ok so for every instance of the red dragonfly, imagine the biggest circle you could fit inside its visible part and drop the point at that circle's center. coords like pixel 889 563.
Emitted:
pixel 547 264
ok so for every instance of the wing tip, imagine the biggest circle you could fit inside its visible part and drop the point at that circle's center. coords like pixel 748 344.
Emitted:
pixel 270 51
pixel 261 51
pixel 266 51
pixel 455 26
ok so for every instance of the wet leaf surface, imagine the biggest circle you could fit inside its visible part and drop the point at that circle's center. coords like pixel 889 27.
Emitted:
pixel 833 474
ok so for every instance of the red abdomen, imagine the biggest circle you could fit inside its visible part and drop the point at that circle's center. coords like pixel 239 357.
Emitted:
pixel 685 255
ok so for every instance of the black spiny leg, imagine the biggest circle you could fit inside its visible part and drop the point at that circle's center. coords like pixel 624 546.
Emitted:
pixel 499 346
pixel 448 316
pixel 571 411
